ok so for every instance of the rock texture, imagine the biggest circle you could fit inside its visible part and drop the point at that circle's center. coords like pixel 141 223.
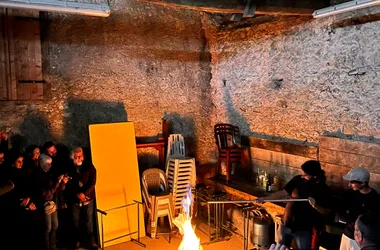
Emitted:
pixel 295 79
pixel 287 78
pixel 141 64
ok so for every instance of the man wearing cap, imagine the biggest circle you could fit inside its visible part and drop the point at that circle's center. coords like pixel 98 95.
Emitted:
pixel 360 199
pixel 300 218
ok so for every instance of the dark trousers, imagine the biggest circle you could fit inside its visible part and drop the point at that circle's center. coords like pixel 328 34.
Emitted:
pixel 88 211
pixel 51 226
pixel 302 239
pixel 20 229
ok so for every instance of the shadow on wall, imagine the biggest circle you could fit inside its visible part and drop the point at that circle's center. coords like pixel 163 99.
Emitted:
pixel 185 126
pixel 81 113
pixel 33 130
pixel 340 134
pixel 236 118
pixel 147 160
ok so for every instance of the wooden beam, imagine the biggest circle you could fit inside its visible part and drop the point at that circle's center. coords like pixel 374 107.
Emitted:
pixel 350 160
pixel 285 147
pixel 350 146
pixel 235 6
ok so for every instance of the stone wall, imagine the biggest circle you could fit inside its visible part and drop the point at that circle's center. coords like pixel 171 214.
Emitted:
pixel 282 78
pixel 293 79
pixel 141 64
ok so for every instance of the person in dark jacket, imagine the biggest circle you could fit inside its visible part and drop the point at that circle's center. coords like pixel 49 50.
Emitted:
pixel 300 218
pixel 80 195
pixel 31 158
pixel 4 155
pixel 19 205
pixel 367 231
pixel 60 163
pixel 360 199
pixel 47 186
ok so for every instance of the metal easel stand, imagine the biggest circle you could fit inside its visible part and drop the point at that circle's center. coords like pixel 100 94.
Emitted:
pixel 217 229
pixel 105 212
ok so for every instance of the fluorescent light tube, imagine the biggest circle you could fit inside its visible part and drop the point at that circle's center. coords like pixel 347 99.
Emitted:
pixel 99 10
pixel 345 7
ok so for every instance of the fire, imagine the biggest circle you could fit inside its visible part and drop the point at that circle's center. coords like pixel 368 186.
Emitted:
pixel 190 241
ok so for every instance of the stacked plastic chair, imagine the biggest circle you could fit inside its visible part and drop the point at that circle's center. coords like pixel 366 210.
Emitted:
pixel 180 170
pixel 157 197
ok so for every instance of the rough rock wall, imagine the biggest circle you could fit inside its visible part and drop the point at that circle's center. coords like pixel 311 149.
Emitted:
pixel 294 79
pixel 141 64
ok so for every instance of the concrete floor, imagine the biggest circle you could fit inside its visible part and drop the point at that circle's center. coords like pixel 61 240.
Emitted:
pixel 162 243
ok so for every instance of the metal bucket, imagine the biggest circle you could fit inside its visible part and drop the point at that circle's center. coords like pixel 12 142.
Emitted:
pixel 263 229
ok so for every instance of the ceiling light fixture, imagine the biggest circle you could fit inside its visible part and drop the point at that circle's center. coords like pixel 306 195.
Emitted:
pixel 99 10
pixel 344 7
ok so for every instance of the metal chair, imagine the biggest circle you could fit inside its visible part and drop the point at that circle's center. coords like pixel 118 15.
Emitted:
pixel 228 141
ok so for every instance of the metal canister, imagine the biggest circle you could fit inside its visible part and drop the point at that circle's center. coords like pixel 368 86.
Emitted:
pixel 263 229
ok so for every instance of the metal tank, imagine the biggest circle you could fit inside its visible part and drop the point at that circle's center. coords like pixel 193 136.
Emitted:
pixel 262 234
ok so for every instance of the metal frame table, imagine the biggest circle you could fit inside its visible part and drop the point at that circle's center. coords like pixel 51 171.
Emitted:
pixel 105 212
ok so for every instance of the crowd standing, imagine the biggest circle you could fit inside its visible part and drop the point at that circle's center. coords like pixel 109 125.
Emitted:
pixel 45 191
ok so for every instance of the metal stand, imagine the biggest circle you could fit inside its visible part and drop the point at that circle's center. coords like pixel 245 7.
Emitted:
pixel 105 212
pixel 246 229
pixel 246 210
pixel 217 230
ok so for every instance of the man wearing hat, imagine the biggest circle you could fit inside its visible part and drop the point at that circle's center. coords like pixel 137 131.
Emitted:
pixel 300 218
pixel 359 199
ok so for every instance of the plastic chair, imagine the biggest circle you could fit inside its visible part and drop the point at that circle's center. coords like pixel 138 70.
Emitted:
pixel 180 170
pixel 181 176
pixel 157 197
pixel 176 147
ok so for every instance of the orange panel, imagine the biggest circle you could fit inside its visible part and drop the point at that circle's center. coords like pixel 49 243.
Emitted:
pixel 113 149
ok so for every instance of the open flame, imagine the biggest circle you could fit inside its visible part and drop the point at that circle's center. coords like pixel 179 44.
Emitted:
pixel 190 241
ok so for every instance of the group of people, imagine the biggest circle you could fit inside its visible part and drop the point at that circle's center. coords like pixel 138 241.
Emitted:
pixel 40 184
pixel 304 222
pixel 42 188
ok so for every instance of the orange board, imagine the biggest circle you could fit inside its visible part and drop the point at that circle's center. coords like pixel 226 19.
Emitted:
pixel 114 155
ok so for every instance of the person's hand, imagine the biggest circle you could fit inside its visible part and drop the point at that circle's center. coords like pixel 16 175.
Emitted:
pixel 260 200
pixel 60 178
pixel 65 179
pixel 24 201
pixel 32 207
pixel 312 201
pixel 81 197
pixel 278 247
